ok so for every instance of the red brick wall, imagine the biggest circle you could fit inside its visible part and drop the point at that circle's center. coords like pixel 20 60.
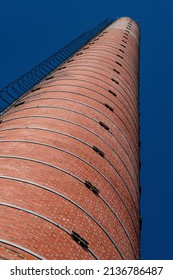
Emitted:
pixel 47 155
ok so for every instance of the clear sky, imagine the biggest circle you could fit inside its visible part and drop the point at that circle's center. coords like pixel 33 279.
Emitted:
pixel 33 30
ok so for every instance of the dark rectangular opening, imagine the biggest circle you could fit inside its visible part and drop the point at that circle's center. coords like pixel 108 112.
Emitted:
pixel 88 185
pixel 120 56
pixel 70 60
pixel 95 190
pixel 115 81
pixel 109 107
pixel 116 71
pixel 98 151
pixel 48 78
pixel 34 89
pixel 61 68
pixel 81 241
pixel 118 63
pixel 91 187
pixel 104 125
pixel 18 104
pixel 113 93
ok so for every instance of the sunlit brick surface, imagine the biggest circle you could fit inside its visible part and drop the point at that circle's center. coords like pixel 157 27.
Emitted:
pixel 69 157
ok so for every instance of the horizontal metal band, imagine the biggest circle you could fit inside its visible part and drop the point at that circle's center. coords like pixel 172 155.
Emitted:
pixel 131 97
pixel 132 107
pixel 118 39
pixel 133 113
pixel 44 218
pixel 56 193
pixel 81 159
pixel 83 127
pixel 101 50
pixel 96 66
pixel 109 61
pixel 87 116
pixel 105 179
pixel 35 214
pixel 89 97
pixel 21 248
pixel 66 109
pixel 62 228
pixel 96 78
pixel 113 44
pixel 47 85
pixel 126 186
pixel 120 222
pixel 70 174
pixel 91 71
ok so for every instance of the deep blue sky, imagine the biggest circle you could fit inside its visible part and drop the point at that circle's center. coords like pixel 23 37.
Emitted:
pixel 31 31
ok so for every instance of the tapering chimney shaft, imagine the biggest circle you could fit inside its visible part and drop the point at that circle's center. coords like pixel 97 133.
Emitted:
pixel 69 156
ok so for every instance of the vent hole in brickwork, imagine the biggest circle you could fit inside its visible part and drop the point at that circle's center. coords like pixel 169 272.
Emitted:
pixel 113 93
pixel 124 41
pixel 78 54
pixel 126 34
pixel 91 43
pixel 70 60
pixel 18 104
pixel 120 56
pixel 81 241
pixel 116 71
pixel 115 81
pixel 121 50
pixel 118 63
pixel 125 37
pixel 34 89
pixel 109 107
pixel 61 68
pixel 104 125
pixel 123 46
pixel 91 187
pixel 48 78
pixel 127 31
pixel 98 151
pixel 0 121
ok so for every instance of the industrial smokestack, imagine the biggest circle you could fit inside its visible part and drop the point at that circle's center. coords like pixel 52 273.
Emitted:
pixel 69 157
